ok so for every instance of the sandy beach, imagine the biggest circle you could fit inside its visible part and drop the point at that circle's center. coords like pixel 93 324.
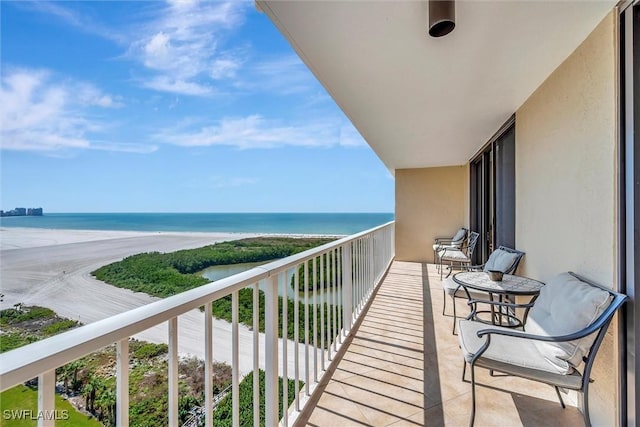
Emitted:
pixel 52 268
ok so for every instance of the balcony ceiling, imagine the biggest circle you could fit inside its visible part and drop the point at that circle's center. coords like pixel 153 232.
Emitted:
pixel 419 101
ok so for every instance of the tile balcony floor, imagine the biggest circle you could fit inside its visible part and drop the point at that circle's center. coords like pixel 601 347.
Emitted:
pixel 403 367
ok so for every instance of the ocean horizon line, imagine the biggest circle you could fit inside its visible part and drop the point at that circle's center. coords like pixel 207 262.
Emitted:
pixel 220 212
pixel 240 222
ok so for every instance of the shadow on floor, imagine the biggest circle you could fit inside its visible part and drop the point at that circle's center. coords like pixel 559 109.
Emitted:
pixel 402 366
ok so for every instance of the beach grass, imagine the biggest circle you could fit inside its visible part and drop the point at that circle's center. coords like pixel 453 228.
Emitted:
pixel 26 324
pixel 223 412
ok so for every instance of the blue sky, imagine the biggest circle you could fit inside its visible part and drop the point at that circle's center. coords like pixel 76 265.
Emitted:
pixel 178 106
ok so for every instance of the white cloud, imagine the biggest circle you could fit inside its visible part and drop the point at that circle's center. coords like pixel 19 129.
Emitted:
pixel 40 113
pixel 178 86
pixel 89 95
pixel 225 67
pixel 124 147
pixel 180 47
pixel 74 18
pixel 184 47
pixel 284 75
pixel 157 51
pixel 255 131
pixel 350 137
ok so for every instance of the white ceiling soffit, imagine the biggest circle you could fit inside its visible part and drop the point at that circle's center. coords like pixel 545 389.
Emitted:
pixel 420 101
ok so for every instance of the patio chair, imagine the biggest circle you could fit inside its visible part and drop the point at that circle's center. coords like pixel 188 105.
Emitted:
pixel 460 256
pixel 454 242
pixel 502 259
pixel 563 329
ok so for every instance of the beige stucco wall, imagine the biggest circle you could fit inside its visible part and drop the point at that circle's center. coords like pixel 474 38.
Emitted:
pixel 565 182
pixel 430 203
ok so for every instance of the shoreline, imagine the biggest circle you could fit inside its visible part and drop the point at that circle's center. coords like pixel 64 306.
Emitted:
pixel 280 223
pixel 30 237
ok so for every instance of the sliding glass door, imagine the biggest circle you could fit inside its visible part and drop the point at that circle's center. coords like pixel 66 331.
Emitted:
pixel 493 203
pixel 629 212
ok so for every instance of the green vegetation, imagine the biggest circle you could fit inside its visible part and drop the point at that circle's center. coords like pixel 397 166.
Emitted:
pixel 222 310
pixel 20 314
pixel 20 326
pixel 223 413
pixel 11 340
pixel 60 326
pixel 23 398
pixel 166 274
pixel 145 350
pixel 326 279
pixel 91 379
pixel 171 273
pixel 23 325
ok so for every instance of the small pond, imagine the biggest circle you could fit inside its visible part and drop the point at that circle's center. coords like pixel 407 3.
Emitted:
pixel 218 272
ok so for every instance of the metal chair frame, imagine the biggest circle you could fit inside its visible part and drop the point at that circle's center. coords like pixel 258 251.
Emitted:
pixel 469 247
pixel 445 242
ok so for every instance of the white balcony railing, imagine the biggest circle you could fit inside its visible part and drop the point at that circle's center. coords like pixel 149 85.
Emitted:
pixel 358 264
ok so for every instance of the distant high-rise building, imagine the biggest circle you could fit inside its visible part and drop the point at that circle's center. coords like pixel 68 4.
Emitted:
pixel 22 212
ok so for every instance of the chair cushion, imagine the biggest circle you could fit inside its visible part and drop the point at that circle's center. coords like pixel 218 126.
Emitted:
pixel 440 246
pixel 452 288
pixel 567 305
pixel 514 351
pixel 452 255
pixel 458 238
pixel 501 260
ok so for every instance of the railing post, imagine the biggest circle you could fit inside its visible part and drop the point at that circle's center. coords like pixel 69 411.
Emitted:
pixel 271 351
pixel 347 288
pixel 235 361
pixel 46 398
pixel 256 355
pixel 208 365
pixel 172 398
pixel 336 323
pixel 122 383
pixel 285 333
pixel 296 333
pixel 315 319
pixel 320 289
pixel 307 369
pixel 370 255
pixel 392 241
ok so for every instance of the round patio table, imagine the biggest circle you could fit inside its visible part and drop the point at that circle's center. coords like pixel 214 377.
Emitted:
pixel 509 285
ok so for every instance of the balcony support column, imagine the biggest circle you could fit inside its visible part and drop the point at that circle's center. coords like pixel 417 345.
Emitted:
pixel 256 355
pixel 173 372
pixel 271 351
pixel 122 383
pixel 46 399
pixel 235 361
pixel 208 365
pixel 347 289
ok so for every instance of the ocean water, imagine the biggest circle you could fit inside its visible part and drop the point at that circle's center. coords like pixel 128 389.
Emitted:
pixel 285 223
